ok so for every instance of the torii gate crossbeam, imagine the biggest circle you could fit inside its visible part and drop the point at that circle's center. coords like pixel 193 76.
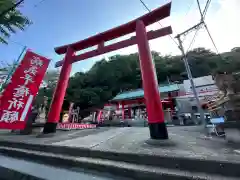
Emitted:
pixel 119 45
pixel 156 122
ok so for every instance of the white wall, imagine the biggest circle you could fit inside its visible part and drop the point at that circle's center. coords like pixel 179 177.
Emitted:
pixel 204 83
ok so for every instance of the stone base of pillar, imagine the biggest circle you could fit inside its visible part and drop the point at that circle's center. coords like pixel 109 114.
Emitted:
pixel 49 127
pixel 158 130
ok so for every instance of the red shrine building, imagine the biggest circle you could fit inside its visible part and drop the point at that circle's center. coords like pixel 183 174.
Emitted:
pixel 127 105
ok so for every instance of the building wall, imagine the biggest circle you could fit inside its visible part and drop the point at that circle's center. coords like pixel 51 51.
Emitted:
pixel 205 87
pixel 202 84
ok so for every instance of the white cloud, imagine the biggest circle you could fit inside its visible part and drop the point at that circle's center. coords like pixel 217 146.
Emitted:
pixel 224 25
pixel 222 21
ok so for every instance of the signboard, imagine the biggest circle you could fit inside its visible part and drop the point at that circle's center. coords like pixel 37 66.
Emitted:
pixel 71 126
pixel 17 98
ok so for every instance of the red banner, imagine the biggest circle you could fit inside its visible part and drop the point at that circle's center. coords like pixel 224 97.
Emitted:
pixel 17 98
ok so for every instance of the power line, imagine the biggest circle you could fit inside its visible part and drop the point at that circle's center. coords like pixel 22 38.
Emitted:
pixel 17 4
pixel 189 8
pixel 193 39
pixel 158 21
pixel 203 15
pixel 11 8
pixel 210 36
pixel 185 58
pixel 40 2
pixel 199 8
pixel 19 43
pixel 34 6
pixel 145 5
pixel 3 64
pixel 206 8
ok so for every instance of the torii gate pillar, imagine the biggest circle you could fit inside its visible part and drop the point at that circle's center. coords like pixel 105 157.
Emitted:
pixel 59 94
pixel 152 97
pixel 153 102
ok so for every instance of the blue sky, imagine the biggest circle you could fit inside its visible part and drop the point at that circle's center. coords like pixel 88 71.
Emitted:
pixel 58 22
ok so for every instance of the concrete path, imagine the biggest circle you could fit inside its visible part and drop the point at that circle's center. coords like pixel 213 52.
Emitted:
pixel 58 137
pixel 94 140
pixel 188 142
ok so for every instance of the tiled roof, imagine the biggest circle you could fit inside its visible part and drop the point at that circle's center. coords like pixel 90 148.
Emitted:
pixel 139 92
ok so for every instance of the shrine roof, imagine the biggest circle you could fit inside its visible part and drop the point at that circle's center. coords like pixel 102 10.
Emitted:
pixel 138 93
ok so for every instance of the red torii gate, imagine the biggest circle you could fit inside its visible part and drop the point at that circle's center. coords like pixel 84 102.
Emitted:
pixel 157 126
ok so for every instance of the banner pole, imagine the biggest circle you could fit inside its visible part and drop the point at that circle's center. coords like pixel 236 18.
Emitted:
pixel 15 63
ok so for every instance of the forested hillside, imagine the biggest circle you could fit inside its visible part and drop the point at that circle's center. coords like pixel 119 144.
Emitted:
pixel 105 79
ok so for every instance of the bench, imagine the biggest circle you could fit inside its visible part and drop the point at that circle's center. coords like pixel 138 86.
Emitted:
pixel 216 126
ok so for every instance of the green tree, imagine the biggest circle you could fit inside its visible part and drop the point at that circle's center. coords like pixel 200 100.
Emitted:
pixel 92 89
pixel 11 21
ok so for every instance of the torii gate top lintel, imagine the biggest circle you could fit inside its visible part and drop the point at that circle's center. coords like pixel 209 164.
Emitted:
pixel 149 18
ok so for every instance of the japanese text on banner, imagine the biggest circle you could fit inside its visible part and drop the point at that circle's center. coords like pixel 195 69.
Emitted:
pixel 18 96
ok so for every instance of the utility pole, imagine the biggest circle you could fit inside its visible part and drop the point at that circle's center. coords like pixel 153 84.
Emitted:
pixel 185 60
pixel 184 54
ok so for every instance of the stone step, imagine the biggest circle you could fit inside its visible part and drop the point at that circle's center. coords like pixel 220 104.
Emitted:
pixel 224 168
pixel 9 174
pixel 118 168
pixel 20 169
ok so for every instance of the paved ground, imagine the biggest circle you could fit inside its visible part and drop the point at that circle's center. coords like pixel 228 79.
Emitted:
pixel 59 136
pixel 188 142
